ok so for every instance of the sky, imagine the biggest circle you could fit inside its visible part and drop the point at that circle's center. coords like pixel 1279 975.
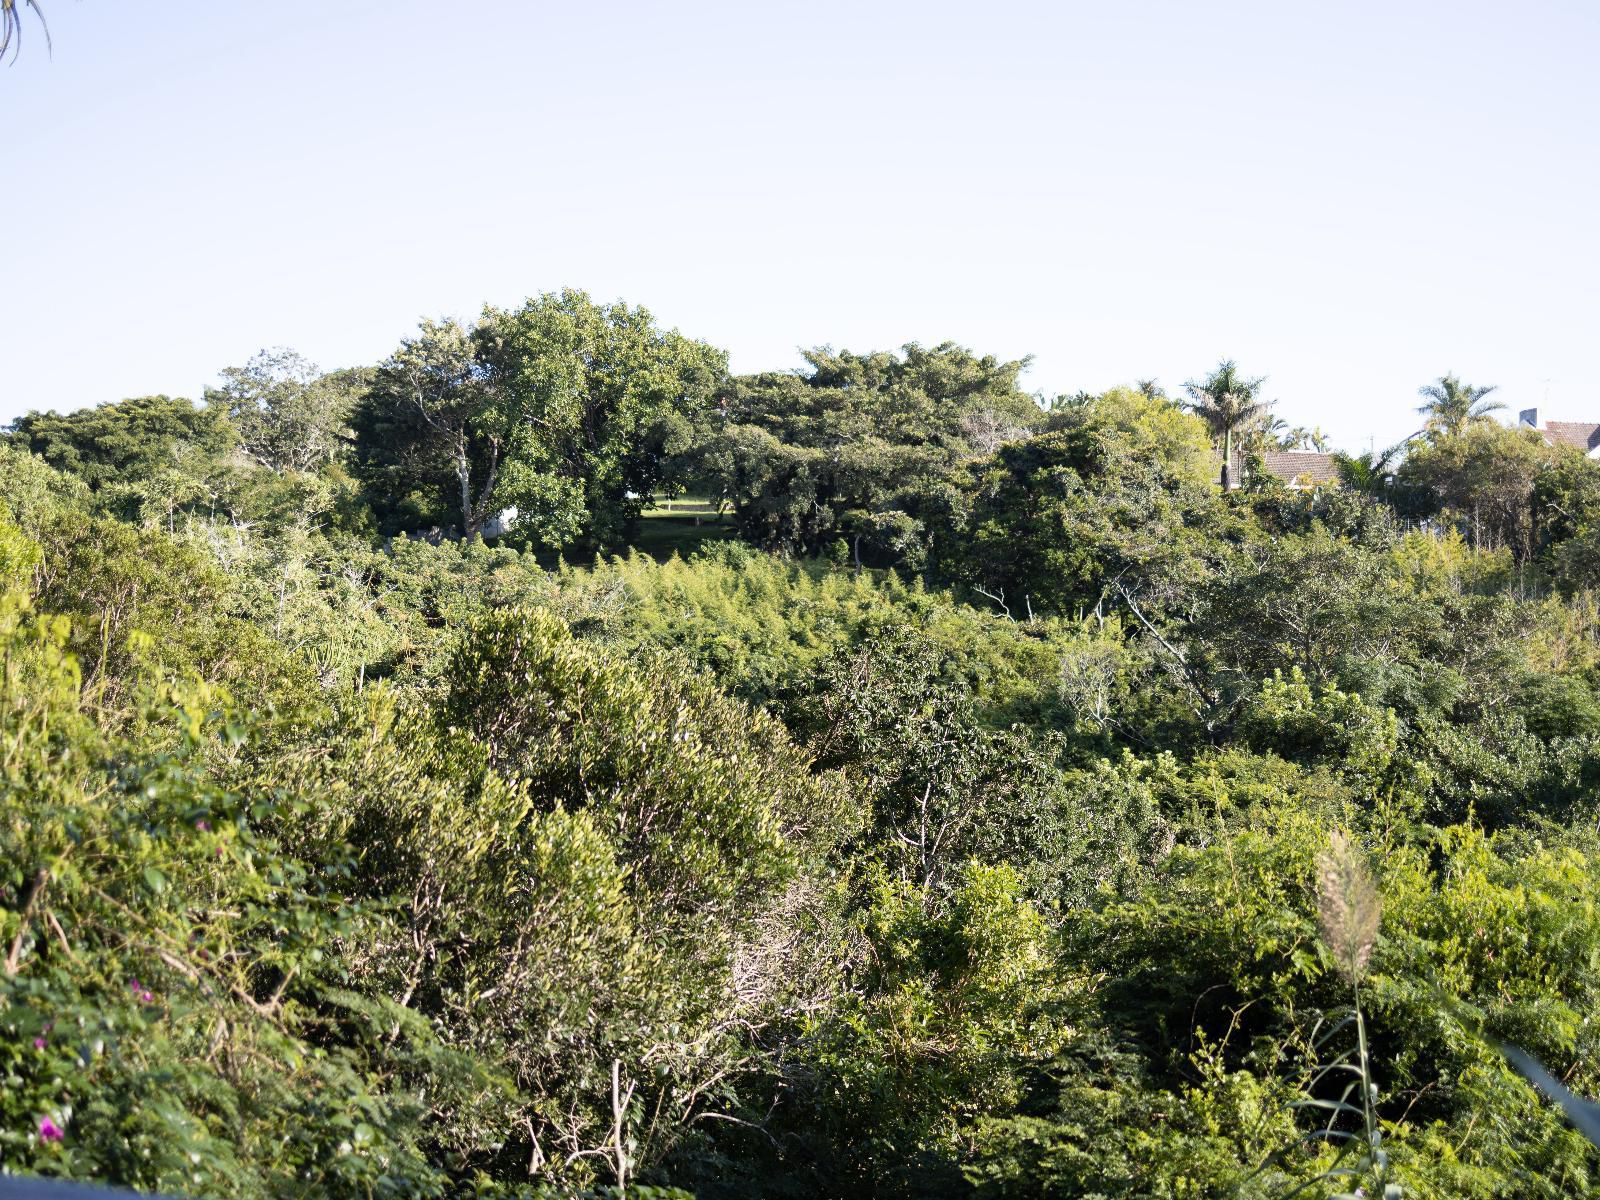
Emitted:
pixel 1348 198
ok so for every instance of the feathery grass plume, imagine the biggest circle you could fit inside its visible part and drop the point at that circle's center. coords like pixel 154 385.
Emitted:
pixel 1348 906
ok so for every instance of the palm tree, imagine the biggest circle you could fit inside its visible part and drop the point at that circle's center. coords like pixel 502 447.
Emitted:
pixel 1150 389
pixel 11 24
pixel 1452 405
pixel 1273 428
pixel 1268 433
pixel 1367 473
pixel 1301 438
pixel 1230 404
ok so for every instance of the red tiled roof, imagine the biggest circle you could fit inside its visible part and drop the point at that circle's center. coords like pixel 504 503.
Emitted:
pixel 1582 434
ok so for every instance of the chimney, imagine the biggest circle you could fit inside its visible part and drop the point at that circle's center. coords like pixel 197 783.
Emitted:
pixel 1529 417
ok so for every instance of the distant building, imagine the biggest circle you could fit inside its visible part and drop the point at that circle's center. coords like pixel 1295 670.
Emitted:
pixel 1580 435
pixel 1300 470
pixel 500 524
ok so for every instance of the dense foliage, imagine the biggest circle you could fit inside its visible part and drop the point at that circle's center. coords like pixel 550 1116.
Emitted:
pixel 948 823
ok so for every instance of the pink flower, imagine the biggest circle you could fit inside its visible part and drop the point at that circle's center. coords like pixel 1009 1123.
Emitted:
pixel 135 985
pixel 146 997
pixel 49 1131
pixel 203 826
pixel 39 1043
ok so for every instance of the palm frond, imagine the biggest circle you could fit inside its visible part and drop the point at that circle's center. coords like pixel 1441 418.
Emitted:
pixel 11 27
pixel 1452 405
pixel 1355 471
pixel 1387 458
pixel 1584 1114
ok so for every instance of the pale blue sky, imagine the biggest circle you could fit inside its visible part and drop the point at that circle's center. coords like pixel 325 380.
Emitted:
pixel 1348 198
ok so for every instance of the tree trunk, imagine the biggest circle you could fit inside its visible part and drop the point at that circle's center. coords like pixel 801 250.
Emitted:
pixel 464 478
pixel 481 511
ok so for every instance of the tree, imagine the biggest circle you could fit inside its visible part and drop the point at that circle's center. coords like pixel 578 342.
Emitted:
pixel 988 428
pixel 1110 498
pixel 1452 405
pixel 861 445
pixel 569 412
pixel 601 406
pixel 427 426
pixel 1481 477
pixel 127 442
pixel 1370 471
pixel 1301 438
pixel 289 414
pixel 1294 604
pixel 1566 512
pixel 1229 404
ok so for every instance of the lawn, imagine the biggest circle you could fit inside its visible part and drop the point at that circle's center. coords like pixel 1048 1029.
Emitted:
pixel 680 526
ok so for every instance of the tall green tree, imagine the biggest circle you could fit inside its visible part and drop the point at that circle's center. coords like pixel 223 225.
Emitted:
pixel 603 404
pixel 428 435
pixel 1481 478
pixel 1452 405
pixel 1230 404
pixel 1117 497
pixel 858 446
pixel 570 412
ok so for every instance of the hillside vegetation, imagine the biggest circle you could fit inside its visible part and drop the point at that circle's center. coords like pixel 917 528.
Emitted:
pixel 964 808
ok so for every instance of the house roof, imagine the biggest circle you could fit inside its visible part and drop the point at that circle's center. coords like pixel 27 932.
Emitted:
pixel 1309 465
pixel 1584 435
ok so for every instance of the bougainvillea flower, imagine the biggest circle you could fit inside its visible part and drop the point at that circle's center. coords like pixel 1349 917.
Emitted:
pixel 49 1131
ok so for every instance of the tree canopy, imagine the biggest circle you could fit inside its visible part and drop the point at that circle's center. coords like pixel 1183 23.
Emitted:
pixel 859 446
pixel 290 417
pixel 570 412
pixel 862 781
